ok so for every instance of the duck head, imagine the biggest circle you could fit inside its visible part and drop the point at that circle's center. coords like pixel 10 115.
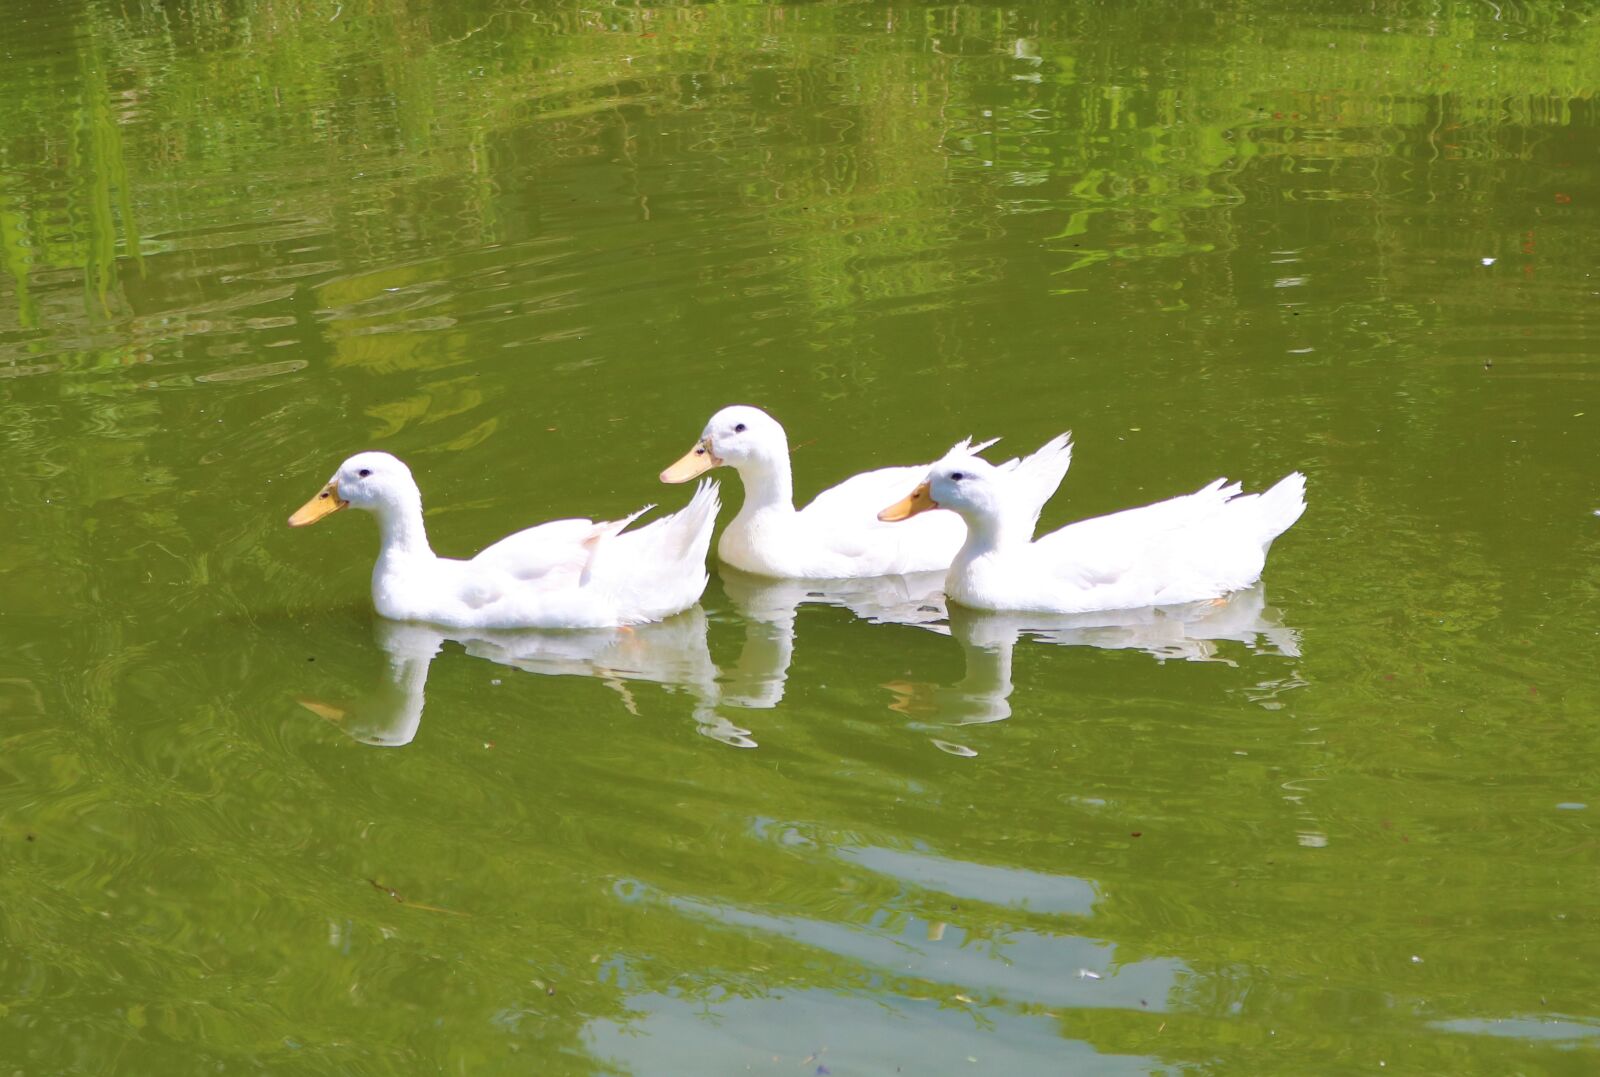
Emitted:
pixel 967 485
pixel 739 436
pixel 368 480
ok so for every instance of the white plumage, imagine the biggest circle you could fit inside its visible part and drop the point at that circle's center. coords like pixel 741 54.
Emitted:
pixel 563 574
pixel 1197 546
pixel 838 535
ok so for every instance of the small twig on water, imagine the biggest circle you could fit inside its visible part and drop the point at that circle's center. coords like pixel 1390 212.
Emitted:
pixel 400 900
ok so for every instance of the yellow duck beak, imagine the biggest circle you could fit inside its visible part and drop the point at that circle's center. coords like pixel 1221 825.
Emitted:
pixel 697 461
pixel 325 503
pixel 916 501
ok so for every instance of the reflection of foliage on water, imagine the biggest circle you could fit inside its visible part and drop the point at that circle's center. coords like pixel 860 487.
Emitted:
pixel 873 143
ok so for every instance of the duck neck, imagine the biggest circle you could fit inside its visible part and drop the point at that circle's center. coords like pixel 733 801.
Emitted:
pixel 990 533
pixel 768 486
pixel 401 533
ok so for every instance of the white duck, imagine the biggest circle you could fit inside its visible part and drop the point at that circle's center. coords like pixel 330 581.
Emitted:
pixel 838 535
pixel 561 574
pixel 1201 545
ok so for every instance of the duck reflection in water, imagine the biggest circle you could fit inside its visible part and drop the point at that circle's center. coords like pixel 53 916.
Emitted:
pixel 674 653
pixel 671 653
pixel 769 608
pixel 1190 632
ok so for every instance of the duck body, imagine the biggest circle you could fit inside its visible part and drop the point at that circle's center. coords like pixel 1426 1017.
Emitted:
pixel 837 535
pixel 574 573
pixel 1197 546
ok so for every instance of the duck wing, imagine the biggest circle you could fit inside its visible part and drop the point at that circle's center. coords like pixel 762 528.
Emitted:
pixel 535 552
pixel 844 519
pixel 859 499
pixel 1104 549
pixel 660 568
pixel 1033 480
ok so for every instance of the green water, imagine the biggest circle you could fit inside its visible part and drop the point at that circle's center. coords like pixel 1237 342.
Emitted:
pixel 530 249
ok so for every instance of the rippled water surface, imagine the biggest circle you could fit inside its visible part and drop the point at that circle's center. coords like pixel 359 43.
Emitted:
pixel 1343 823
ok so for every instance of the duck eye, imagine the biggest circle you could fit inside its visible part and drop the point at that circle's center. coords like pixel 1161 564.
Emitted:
pixel 958 476
pixel 364 472
pixel 738 428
